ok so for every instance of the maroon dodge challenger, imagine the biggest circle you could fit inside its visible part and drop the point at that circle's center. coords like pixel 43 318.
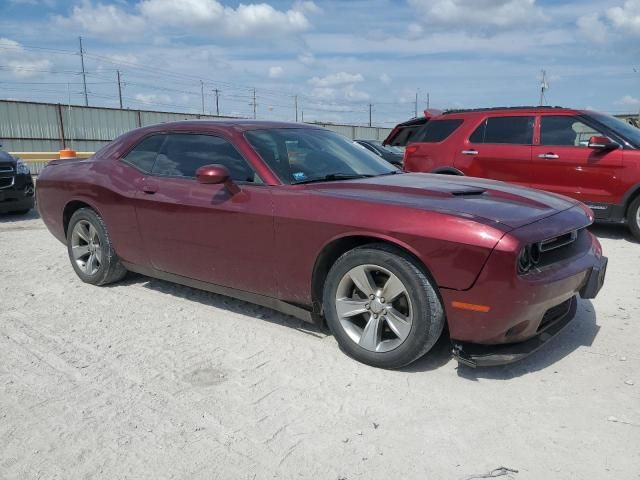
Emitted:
pixel 299 219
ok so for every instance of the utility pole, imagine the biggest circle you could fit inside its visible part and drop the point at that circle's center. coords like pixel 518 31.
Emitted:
pixel 295 101
pixel 370 105
pixel 119 89
pixel 217 92
pixel 254 103
pixel 544 86
pixel 202 94
pixel 302 116
pixel 427 100
pixel 416 109
pixel 84 78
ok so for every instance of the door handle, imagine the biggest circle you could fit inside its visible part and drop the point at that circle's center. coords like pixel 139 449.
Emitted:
pixel 149 188
pixel 469 152
pixel 552 156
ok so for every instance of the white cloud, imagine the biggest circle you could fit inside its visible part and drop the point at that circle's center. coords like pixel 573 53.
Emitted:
pixel 275 72
pixel 27 68
pixel 108 21
pixel 617 22
pixel 323 93
pixel 246 19
pixel 629 101
pixel 592 28
pixel 626 17
pixel 385 78
pixel 475 15
pixel 335 79
pixel 415 31
pixel 351 93
pixel 209 17
pixel 307 58
pixel 20 63
pixel 307 7
pixel 153 98
pixel 125 58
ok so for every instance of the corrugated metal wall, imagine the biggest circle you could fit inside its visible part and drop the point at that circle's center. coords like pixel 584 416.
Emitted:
pixel 47 127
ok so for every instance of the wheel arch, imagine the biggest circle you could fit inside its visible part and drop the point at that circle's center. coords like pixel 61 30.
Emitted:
pixel 72 207
pixel 336 247
pixel 629 197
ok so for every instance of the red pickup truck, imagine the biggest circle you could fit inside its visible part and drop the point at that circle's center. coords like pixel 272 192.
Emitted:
pixel 590 156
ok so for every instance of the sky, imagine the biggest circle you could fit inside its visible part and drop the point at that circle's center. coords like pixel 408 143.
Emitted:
pixel 339 59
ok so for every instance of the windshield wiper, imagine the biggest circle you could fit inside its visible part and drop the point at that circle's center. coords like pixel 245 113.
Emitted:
pixel 332 177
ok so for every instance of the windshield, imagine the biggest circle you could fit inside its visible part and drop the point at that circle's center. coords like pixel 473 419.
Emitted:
pixel 300 155
pixel 630 133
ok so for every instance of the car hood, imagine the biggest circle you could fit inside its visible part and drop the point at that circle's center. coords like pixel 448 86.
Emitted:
pixel 488 201
pixel 6 157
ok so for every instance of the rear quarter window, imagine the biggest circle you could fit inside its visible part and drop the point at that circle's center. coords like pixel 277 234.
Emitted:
pixel 438 130
pixel 505 130
pixel 143 155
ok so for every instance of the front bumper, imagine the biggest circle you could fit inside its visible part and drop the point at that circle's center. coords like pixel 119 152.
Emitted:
pixel 508 316
pixel 477 355
pixel 553 322
pixel 19 195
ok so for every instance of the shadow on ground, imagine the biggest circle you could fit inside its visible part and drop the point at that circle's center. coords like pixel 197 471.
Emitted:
pixel 15 218
pixel 223 302
pixel 579 333
pixel 614 232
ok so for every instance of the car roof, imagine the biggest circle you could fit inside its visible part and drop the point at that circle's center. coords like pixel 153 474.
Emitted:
pixel 511 110
pixel 239 125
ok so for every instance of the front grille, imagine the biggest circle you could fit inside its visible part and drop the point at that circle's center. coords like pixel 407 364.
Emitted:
pixel 6 182
pixel 6 168
pixel 554 314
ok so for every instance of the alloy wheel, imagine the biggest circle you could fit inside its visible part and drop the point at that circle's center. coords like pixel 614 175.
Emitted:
pixel 374 308
pixel 86 247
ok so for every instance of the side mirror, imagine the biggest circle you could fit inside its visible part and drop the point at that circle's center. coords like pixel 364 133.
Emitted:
pixel 602 143
pixel 212 174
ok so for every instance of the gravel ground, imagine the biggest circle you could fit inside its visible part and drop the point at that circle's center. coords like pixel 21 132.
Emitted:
pixel 146 379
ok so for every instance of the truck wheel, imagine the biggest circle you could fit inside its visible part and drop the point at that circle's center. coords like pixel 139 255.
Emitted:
pixel 90 250
pixel 633 218
pixel 382 307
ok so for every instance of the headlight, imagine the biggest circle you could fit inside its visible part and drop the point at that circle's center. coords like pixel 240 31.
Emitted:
pixel 22 168
pixel 529 257
pixel 524 260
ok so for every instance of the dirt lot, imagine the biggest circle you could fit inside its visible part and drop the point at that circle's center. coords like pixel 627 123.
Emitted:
pixel 146 379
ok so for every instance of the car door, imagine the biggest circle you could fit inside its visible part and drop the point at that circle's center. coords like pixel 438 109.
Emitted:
pixel 221 234
pixel 499 148
pixel 563 163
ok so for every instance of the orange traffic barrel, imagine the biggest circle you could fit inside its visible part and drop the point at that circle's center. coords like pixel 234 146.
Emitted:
pixel 67 154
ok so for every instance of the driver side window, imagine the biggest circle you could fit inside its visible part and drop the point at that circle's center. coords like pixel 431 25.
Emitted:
pixel 567 131
pixel 182 154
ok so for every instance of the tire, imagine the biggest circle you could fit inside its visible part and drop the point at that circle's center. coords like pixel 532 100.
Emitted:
pixel 633 218
pixel 404 327
pixel 90 249
pixel 21 212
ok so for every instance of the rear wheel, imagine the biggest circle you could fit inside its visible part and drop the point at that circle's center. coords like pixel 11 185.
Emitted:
pixel 382 307
pixel 633 218
pixel 90 250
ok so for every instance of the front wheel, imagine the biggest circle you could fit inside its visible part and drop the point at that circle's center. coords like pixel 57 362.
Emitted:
pixel 90 249
pixel 382 307
pixel 633 218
